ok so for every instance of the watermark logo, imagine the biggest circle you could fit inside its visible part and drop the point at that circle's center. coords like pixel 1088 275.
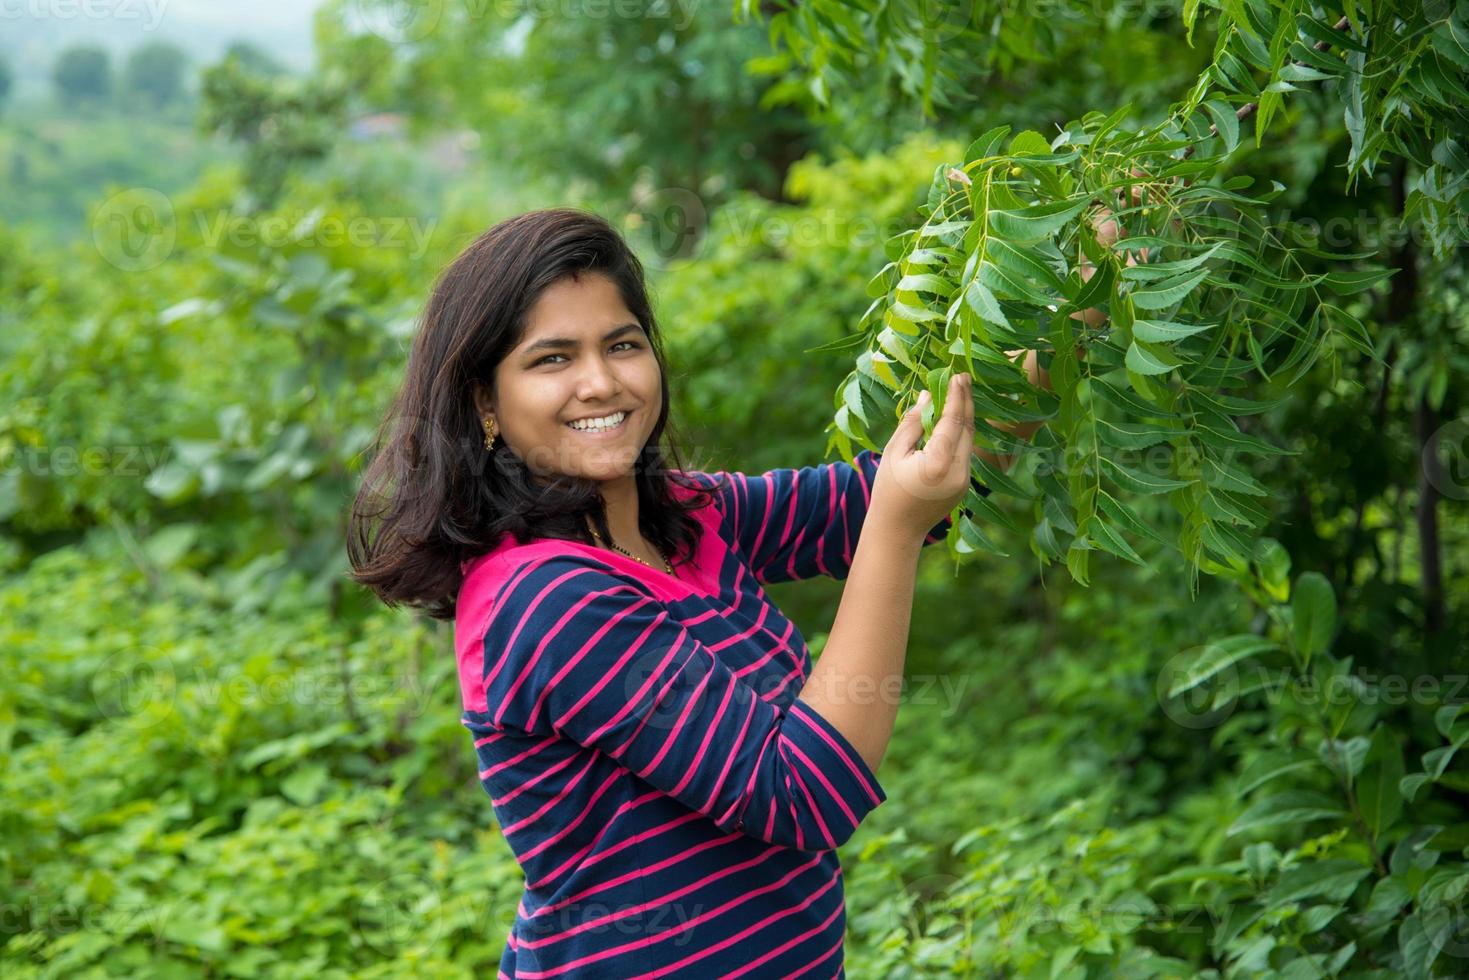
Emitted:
pixel 138 229
pixel 135 229
pixel 400 21
pixel 1196 705
pixel 667 225
pixel 1446 459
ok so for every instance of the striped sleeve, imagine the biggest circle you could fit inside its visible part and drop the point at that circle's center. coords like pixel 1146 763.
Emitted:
pixel 576 649
pixel 793 524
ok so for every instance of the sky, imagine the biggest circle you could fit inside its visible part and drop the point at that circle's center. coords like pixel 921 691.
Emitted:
pixel 33 31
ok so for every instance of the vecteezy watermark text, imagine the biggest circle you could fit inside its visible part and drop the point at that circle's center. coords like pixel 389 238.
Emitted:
pixel 150 11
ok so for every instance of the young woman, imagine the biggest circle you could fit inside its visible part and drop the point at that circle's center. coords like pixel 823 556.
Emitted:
pixel 671 773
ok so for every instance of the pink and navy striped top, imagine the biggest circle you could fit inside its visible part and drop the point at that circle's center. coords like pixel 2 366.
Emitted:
pixel 674 807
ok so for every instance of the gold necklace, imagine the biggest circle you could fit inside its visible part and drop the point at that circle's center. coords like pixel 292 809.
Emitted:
pixel 667 565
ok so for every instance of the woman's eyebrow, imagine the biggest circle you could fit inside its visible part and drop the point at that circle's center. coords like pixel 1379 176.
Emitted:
pixel 559 343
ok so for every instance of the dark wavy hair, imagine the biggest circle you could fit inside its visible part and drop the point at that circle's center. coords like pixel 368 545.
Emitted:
pixel 432 495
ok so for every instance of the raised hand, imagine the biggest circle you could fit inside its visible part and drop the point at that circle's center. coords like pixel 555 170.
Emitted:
pixel 916 488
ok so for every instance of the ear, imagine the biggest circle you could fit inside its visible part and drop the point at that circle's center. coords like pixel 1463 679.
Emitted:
pixel 484 404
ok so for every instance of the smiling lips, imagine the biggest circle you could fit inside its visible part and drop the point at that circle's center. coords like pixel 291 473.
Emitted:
pixel 601 429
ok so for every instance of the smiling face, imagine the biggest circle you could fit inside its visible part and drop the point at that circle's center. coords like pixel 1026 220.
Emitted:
pixel 583 356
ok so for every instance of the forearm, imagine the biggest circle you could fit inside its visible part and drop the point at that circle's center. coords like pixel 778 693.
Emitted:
pixel 858 678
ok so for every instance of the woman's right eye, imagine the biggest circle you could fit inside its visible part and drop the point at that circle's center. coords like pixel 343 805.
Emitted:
pixel 631 345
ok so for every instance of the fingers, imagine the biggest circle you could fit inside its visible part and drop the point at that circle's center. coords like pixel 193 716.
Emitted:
pixel 949 433
pixel 910 427
pixel 964 444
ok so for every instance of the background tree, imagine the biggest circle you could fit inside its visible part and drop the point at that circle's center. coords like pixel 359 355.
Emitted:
pixel 283 122
pixel 82 75
pixel 7 79
pixel 155 73
pixel 253 58
pixel 658 97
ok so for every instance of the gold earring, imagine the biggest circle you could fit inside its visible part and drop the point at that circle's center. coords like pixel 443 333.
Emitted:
pixel 491 431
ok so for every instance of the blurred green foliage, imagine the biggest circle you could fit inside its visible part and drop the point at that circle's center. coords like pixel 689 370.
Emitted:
pixel 219 759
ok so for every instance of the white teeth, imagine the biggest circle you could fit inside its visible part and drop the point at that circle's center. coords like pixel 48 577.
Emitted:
pixel 606 422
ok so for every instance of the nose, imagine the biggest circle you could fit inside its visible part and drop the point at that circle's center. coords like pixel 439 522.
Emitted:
pixel 599 382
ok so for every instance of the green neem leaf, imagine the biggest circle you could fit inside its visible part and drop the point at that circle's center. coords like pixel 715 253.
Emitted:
pixel 1150 271
pixel 1272 765
pixel 1224 506
pixel 876 365
pixel 1024 262
pixel 947 232
pixel 1346 283
pixel 997 480
pixel 1452 838
pixel 892 343
pixel 921 258
pixel 988 145
pixel 1123 516
pixel 1344 757
pixel 1322 31
pixel 852 399
pixel 1106 538
pixel 1135 481
pixel 1320 60
pixel 1226 123
pixel 1421 937
pixel 895 247
pixel 1134 435
pixel 1126 400
pixel 1029 141
pixel 1043 539
pixel 1356 334
pixel 1040 221
pixel 1164 294
pixel 1166 331
pixel 982 507
pixel 1295 806
pixel 925 282
pixel 1332 880
pixel 844 434
pixel 972 539
pixel 1445 718
pixel 1221 434
pixel 1291 72
pixel 1451 38
pixel 1378 796
pixel 1216 656
pixel 879 285
pixel 1237 406
pixel 1009 284
pixel 903 313
pixel 1097 289
pixel 1313 611
pixel 841 343
pixel 984 304
pixel 1273 563
pixel 205 934
pixel 1226 542
pixel 1410 785
pixel 1148 360
pixel 1078 558
pixel 1225 477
